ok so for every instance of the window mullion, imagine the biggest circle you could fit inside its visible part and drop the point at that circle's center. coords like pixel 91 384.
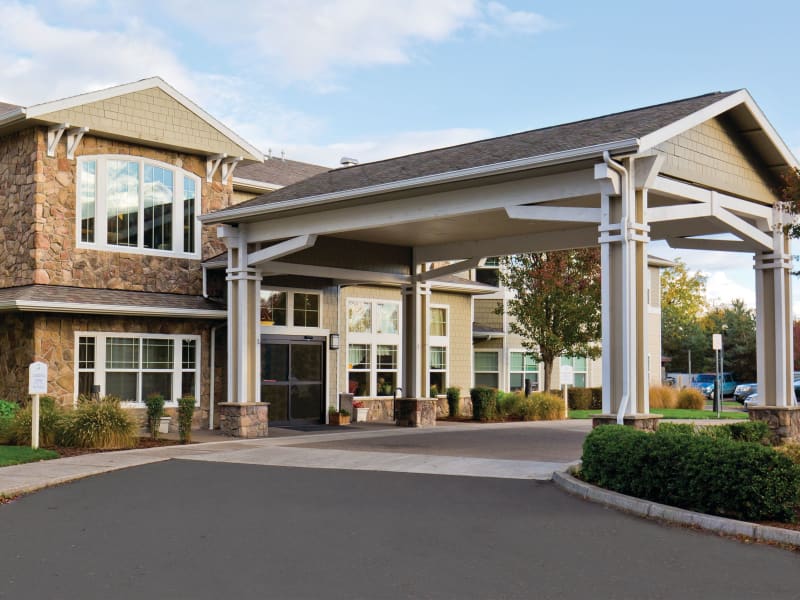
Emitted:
pixel 100 216
pixel 177 212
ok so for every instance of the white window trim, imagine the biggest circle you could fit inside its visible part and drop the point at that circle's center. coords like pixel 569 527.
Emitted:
pixel 374 339
pixel 101 217
pixel 539 369
pixel 440 341
pixel 290 328
pixel 498 372
pixel 100 362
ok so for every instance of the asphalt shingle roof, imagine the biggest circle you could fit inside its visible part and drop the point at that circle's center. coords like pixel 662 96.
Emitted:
pixel 579 134
pixel 279 171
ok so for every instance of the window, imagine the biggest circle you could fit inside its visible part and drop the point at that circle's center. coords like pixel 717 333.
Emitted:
pixel 289 308
pixel 488 272
pixel 521 367
pixel 487 369
pixel 131 367
pixel 438 322
pixel 373 347
pixel 578 364
pixel 438 350
pixel 138 205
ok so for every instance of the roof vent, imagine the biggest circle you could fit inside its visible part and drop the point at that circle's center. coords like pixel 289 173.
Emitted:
pixel 348 162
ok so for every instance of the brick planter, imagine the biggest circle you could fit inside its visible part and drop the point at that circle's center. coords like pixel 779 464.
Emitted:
pixel 415 412
pixel 250 420
pixel 644 422
pixel 783 422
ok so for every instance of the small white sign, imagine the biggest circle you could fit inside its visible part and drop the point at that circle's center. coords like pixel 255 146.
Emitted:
pixel 567 376
pixel 716 341
pixel 37 378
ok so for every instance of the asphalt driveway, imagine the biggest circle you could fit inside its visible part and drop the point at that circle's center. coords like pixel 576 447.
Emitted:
pixel 196 529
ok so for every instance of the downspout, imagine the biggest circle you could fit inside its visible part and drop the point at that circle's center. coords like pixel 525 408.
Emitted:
pixel 625 400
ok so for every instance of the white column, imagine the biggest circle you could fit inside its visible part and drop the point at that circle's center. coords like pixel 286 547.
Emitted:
pixel 243 320
pixel 415 340
pixel 624 235
pixel 774 352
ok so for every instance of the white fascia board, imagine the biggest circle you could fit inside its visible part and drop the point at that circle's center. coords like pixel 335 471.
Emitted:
pixel 651 140
pixel 710 244
pixel 521 164
pixel 44 108
pixel 465 287
pixel 554 213
pixel 110 309
pixel 18 114
pixel 241 183
pixel 360 275
pixel 281 249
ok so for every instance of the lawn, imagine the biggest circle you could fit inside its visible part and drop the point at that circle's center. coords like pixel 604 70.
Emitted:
pixel 669 413
pixel 16 455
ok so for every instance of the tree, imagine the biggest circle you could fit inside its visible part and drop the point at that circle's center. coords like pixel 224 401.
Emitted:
pixel 556 303
pixel 790 194
pixel 683 301
pixel 737 324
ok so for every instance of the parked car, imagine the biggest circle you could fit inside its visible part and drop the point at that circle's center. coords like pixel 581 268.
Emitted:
pixel 752 400
pixel 743 390
pixel 705 383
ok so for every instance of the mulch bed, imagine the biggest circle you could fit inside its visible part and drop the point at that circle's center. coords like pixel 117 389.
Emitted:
pixel 144 442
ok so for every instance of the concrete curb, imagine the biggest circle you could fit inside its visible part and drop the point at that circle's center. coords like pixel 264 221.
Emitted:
pixel 645 508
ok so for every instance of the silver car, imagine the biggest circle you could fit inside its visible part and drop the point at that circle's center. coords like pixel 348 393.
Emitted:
pixel 752 400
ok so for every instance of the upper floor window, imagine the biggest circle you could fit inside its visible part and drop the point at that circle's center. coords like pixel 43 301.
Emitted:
pixel 290 308
pixel 137 205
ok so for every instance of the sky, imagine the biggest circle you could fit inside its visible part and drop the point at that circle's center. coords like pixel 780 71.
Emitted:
pixel 318 80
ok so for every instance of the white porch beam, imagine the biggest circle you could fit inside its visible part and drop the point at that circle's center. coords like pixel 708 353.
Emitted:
pixel 680 212
pixel 742 228
pixel 710 244
pixel 554 213
pixel 301 242
pixel 212 164
pixel 457 267
pixel 429 206
pixel 228 166
pixel 531 242
pixel 283 268
pixel 54 133
pixel 74 137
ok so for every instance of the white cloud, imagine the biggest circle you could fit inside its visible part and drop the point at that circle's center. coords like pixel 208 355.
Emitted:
pixel 378 148
pixel 723 289
pixel 501 18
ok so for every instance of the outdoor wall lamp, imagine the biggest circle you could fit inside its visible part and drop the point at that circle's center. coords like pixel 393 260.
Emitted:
pixel 333 341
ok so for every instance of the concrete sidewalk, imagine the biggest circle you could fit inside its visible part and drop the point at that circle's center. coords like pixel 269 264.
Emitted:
pixel 285 448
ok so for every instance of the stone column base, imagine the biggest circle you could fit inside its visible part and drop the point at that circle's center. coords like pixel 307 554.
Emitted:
pixel 783 421
pixel 250 420
pixel 644 422
pixel 415 412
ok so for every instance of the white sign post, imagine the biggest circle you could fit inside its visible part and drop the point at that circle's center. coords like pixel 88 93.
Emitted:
pixel 37 384
pixel 567 378
pixel 716 346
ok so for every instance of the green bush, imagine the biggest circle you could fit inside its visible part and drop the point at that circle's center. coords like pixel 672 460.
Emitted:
pixel 102 424
pixel 484 403
pixel 579 398
pixel 597 398
pixel 51 422
pixel 185 414
pixel 677 428
pixel 155 410
pixel 741 480
pixel 750 431
pixel 453 400
pixel 8 409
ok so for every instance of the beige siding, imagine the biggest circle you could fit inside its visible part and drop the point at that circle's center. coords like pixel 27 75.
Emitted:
pixel 460 338
pixel 150 115
pixel 712 155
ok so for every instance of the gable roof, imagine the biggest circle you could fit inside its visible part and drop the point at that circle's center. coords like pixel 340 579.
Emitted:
pixel 50 112
pixel 628 131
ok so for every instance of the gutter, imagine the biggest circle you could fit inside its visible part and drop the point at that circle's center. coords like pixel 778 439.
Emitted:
pixel 18 114
pixel 110 309
pixel 520 164
pixel 253 185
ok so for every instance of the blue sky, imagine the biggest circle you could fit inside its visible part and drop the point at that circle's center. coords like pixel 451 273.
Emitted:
pixel 319 80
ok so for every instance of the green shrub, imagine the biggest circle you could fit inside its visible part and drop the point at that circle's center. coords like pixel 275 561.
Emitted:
pixel 741 480
pixel 691 398
pixel 8 409
pixel 579 398
pixel 102 424
pixel 597 398
pixel 155 410
pixel 662 396
pixel 676 428
pixel 750 431
pixel 453 399
pixel 51 421
pixel 484 403
pixel 185 414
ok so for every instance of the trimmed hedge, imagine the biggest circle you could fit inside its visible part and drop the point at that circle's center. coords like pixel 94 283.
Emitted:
pixel 597 398
pixel 579 398
pixel 453 399
pixel 484 403
pixel 741 480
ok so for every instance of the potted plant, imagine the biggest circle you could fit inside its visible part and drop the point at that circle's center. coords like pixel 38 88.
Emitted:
pixel 338 417
pixel 361 411
pixel 156 420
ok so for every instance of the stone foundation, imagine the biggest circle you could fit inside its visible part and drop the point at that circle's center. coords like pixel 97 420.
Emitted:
pixel 250 420
pixel 643 422
pixel 783 421
pixel 415 412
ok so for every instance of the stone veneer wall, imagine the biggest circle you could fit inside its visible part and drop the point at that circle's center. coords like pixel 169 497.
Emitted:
pixel 53 342
pixel 58 261
pixel 16 354
pixel 21 179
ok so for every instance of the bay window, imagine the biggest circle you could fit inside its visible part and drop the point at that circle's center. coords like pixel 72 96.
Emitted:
pixel 138 205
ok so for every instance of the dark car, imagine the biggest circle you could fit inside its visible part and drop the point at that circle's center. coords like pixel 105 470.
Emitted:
pixel 743 390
